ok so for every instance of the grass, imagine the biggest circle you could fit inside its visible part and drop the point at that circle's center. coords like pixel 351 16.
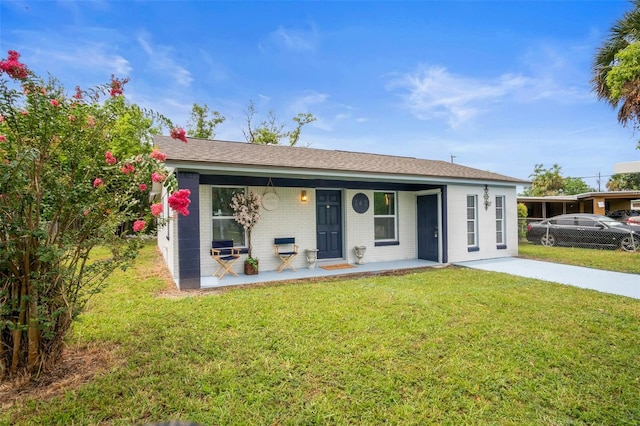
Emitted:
pixel 448 346
pixel 610 260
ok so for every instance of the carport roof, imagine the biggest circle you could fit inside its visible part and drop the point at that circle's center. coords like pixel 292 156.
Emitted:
pixel 241 154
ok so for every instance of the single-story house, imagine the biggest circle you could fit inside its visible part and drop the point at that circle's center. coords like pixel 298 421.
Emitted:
pixel 332 201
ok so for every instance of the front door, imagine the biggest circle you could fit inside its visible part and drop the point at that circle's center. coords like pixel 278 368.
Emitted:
pixel 428 227
pixel 329 223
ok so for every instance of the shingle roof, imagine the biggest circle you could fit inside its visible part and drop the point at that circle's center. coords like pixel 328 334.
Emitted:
pixel 211 152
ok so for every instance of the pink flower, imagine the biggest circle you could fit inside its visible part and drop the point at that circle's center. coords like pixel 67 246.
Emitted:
pixel 3 138
pixel 128 168
pixel 157 177
pixel 54 102
pixel 179 133
pixel 1 118
pixel 92 122
pixel 72 118
pixel 97 182
pixel 179 201
pixel 142 186
pixel 139 225
pixel 14 67
pixel 24 112
pixel 158 155
pixel 78 94
pixel 156 209
pixel 109 158
pixel 117 85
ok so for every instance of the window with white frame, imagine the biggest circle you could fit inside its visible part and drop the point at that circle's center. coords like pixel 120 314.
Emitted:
pixel 472 221
pixel 223 225
pixel 500 221
pixel 385 216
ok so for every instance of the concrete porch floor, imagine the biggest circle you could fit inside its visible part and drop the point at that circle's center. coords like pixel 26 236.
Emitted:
pixel 317 272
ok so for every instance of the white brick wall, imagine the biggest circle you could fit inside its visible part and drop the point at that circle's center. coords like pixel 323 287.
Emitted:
pixel 294 218
pixel 457 223
pixel 169 247
pixel 359 229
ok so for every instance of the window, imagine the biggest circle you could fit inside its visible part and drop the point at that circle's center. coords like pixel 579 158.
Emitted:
pixel 384 216
pixel 472 221
pixel 500 223
pixel 224 226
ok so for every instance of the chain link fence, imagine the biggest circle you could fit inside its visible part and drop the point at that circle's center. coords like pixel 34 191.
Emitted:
pixel 582 231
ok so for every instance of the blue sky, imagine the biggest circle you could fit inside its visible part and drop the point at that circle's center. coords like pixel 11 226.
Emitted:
pixel 500 85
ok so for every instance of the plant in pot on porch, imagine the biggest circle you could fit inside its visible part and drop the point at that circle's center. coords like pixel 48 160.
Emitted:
pixel 246 211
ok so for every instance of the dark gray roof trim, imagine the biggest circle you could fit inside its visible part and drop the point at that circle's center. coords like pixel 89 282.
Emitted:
pixel 246 155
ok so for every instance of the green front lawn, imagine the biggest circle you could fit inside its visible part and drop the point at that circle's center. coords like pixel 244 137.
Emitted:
pixel 446 346
pixel 610 260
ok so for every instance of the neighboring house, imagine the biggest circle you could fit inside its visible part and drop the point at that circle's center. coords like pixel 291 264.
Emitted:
pixel 398 207
pixel 539 208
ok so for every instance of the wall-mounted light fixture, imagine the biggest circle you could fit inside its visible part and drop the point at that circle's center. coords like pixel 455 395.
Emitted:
pixel 487 203
pixel 303 196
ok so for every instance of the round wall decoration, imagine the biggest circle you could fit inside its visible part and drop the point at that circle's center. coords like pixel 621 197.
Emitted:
pixel 270 201
pixel 360 202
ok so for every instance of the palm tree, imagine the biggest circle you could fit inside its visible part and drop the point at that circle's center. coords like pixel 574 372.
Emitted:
pixel 624 32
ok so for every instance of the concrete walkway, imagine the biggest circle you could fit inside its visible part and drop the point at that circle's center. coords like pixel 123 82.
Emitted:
pixel 595 279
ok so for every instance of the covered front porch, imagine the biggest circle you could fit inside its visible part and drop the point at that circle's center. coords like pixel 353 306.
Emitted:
pixel 314 273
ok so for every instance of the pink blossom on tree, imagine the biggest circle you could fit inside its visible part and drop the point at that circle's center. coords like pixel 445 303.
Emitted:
pixel 179 133
pixel 156 209
pixel 13 67
pixel 97 182
pixel 179 201
pixel 158 155
pixel 117 86
pixel 157 177
pixel 128 168
pixel 139 225
pixel 109 158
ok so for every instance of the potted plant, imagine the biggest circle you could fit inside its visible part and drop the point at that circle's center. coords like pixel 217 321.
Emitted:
pixel 246 211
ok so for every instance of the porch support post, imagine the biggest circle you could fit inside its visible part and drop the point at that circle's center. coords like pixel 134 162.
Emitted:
pixel 189 234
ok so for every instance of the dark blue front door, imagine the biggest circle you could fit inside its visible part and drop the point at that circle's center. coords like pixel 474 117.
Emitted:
pixel 428 227
pixel 329 224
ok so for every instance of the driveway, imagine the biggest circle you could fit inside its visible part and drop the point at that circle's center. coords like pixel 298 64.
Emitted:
pixel 594 279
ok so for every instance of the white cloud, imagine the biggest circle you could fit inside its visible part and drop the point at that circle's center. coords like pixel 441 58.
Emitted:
pixel 560 72
pixel 162 58
pixel 95 56
pixel 307 102
pixel 297 40
pixel 435 93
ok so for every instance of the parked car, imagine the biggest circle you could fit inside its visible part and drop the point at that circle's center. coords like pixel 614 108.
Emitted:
pixel 584 230
pixel 632 217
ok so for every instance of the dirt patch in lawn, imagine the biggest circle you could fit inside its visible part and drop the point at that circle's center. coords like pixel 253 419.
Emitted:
pixel 79 365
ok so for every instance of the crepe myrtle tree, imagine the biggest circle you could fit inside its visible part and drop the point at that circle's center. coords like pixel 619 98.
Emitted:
pixel 63 193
